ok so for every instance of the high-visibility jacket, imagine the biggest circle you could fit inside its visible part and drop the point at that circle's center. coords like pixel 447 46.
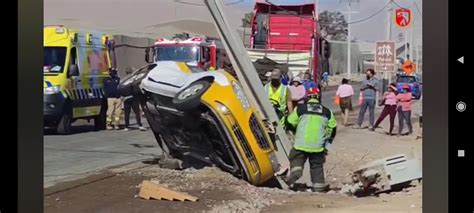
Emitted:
pixel 278 96
pixel 314 124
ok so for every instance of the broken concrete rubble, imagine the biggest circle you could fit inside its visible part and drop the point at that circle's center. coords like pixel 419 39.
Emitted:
pixel 383 175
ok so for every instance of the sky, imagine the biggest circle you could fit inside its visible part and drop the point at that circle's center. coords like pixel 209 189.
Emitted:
pixel 151 18
pixel 371 30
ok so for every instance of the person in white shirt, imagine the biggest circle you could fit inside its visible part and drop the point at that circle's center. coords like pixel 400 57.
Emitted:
pixel 345 93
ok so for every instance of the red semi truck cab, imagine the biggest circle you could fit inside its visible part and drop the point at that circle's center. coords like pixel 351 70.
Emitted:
pixel 286 34
pixel 203 51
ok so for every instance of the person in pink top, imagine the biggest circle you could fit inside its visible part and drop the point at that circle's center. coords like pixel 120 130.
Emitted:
pixel 345 93
pixel 390 108
pixel 404 109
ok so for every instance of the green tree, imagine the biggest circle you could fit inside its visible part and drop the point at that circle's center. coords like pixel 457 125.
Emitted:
pixel 333 25
pixel 247 20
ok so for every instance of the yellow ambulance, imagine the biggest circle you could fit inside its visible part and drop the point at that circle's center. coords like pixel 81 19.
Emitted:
pixel 75 66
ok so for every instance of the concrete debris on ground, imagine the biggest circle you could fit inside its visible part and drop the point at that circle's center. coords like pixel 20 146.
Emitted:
pixel 253 198
pixel 219 191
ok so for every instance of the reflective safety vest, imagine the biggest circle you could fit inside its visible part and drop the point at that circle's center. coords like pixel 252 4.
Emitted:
pixel 314 124
pixel 278 96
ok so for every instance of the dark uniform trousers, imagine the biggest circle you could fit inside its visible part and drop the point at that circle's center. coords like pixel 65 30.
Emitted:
pixel 316 161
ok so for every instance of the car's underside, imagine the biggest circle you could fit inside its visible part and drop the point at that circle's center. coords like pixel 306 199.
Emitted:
pixel 195 133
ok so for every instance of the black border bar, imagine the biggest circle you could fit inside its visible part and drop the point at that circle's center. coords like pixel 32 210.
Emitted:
pixel 460 168
pixel 30 106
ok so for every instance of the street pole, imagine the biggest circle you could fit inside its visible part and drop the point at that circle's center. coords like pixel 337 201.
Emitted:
pixel 388 37
pixel 416 55
pixel 349 43
pixel 406 44
pixel 411 41
pixel 316 2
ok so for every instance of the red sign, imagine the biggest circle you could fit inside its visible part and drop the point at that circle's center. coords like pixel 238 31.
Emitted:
pixel 403 17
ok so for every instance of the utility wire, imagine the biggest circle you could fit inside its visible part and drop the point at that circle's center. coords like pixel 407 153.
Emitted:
pixel 418 9
pixel 354 22
pixel 409 7
pixel 202 5
pixel 371 16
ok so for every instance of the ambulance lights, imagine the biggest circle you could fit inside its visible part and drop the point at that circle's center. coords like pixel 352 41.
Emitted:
pixel 60 30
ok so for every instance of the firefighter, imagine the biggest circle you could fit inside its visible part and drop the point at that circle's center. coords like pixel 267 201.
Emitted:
pixel 315 127
pixel 279 94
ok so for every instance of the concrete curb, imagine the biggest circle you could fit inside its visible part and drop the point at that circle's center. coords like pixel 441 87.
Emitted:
pixel 92 177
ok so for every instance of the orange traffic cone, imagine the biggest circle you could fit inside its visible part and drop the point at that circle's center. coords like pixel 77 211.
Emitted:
pixel 360 98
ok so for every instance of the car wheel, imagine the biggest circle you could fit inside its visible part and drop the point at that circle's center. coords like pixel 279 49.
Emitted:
pixel 190 97
pixel 64 126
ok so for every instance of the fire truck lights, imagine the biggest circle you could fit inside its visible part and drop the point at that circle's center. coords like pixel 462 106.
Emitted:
pixel 177 40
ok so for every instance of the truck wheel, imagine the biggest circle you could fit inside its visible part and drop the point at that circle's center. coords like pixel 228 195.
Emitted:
pixel 100 122
pixel 190 97
pixel 64 126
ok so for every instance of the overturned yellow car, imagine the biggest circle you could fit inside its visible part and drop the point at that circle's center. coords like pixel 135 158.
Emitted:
pixel 206 115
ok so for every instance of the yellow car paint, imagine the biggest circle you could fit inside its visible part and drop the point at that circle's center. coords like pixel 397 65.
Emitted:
pixel 260 168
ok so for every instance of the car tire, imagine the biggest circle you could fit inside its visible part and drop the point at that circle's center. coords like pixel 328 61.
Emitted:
pixel 100 121
pixel 190 97
pixel 64 127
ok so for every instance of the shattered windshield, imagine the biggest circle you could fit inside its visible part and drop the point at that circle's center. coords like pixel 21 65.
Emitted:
pixel 177 53
pixel 54 59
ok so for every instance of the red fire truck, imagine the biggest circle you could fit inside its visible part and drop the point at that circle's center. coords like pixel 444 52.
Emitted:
pixel 287 34
pixel 204 52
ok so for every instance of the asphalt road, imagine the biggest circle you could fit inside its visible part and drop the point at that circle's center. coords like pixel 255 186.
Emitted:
pixel 86 151
pixel 80 154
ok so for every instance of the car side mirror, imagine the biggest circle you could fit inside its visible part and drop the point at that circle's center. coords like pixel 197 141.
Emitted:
pixel 73 70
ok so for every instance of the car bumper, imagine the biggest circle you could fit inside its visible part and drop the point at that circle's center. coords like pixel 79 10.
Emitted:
pixel 53 106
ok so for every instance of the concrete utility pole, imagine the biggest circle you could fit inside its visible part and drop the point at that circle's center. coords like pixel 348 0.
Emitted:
pixel 387 76
pixel 406 44
pixel 349 38
pixel 349 42
pixel 316 2
pixel 416 55
pixel 411 40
